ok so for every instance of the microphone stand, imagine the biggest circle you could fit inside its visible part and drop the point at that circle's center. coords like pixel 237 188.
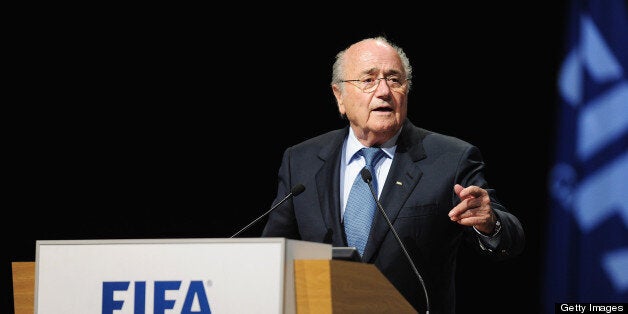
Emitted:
pixel 367 177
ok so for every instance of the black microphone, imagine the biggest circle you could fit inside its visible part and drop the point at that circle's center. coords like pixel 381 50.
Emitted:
pixel 296 190
pixel 368 178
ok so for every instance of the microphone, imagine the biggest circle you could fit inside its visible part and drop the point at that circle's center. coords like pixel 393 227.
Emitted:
pixel 368 178
pixel 296 190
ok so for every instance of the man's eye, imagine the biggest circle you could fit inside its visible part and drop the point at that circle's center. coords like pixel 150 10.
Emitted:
pixel 367 80
pixel 394 79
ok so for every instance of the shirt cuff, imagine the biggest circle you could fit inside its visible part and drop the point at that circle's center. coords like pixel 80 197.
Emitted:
pixel 489 242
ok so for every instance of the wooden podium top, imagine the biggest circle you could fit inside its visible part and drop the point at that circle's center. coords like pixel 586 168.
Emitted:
pixel 334 286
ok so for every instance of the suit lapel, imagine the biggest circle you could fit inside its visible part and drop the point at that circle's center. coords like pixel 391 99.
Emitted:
pixel 403 176
pixel 327 185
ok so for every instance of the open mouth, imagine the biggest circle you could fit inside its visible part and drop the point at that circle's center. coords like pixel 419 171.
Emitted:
pixel 383 109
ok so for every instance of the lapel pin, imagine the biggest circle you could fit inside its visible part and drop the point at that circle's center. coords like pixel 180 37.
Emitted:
pixel 398 183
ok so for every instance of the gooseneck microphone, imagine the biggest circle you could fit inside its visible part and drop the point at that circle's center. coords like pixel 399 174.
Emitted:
pixel 368 178
pixel 296 190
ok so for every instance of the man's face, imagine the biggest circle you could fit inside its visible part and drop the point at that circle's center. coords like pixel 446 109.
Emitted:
pixel 377 115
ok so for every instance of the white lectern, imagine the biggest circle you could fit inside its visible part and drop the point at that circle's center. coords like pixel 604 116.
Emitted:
pixel 245 275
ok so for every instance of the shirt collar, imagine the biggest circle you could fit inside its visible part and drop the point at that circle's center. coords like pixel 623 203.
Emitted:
pixel 353 146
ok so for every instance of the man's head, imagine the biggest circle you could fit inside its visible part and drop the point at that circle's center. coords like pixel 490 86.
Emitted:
pixel 371 81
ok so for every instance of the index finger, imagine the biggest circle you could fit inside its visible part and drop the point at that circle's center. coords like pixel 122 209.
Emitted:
pixel 471 191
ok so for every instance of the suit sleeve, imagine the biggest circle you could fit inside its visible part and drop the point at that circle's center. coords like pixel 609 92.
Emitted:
pixel 282 221
pixel 510 239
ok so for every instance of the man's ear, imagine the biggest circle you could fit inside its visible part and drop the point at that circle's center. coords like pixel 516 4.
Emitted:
pixel 338 95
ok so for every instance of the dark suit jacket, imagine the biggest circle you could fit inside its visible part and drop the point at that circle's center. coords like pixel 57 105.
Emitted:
pixel 417 196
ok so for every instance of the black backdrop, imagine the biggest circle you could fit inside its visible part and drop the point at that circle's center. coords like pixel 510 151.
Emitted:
pixel 144 124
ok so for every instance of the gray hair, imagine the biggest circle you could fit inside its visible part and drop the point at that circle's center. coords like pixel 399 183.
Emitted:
pixel 338 67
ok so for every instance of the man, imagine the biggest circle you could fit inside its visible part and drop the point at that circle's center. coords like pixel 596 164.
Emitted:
pixel 431 186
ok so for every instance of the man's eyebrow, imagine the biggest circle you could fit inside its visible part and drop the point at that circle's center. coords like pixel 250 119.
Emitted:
pixel 393 71
pixel 371 71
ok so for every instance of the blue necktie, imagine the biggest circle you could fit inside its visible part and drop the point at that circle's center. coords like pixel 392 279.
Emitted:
pixel 361 205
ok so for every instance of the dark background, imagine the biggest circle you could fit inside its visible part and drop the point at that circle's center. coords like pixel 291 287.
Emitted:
pixel 144 123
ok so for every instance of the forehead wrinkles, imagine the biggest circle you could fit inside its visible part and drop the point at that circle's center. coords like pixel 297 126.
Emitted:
pixel 365 61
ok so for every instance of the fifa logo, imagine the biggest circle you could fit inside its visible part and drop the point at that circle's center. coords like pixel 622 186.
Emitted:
pixel 166 295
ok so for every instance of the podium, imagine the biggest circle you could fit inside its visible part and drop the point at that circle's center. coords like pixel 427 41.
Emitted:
pixel 246 275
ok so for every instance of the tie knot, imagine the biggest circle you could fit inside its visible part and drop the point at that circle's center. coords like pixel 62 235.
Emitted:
pixel 372 155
